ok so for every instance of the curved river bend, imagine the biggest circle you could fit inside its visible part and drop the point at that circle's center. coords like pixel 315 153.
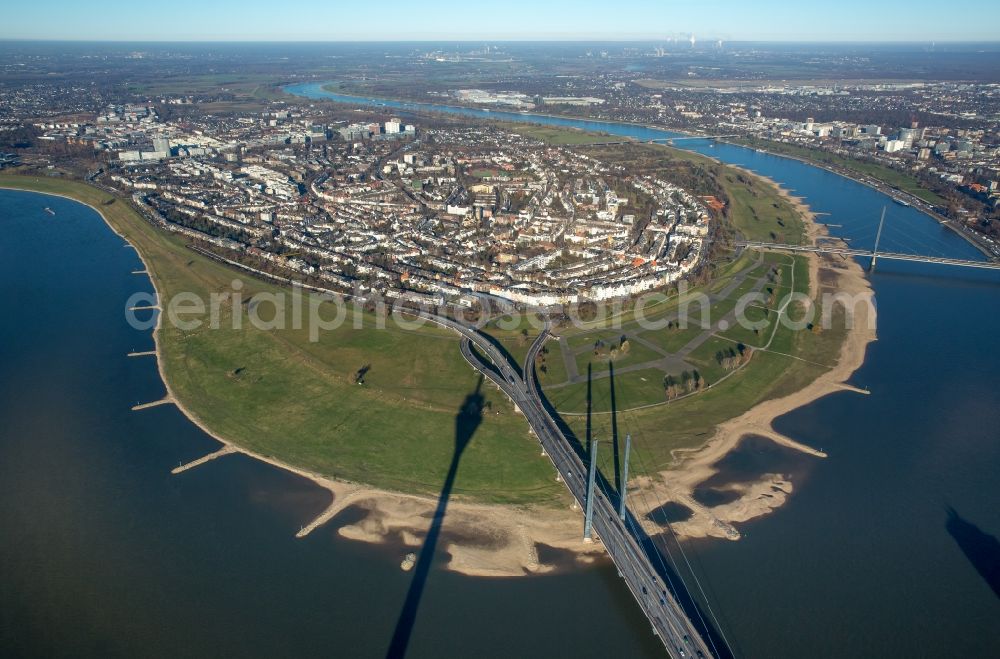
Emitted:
pixel 104 553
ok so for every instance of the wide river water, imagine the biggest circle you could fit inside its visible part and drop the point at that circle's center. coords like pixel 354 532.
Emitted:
pixel 104 553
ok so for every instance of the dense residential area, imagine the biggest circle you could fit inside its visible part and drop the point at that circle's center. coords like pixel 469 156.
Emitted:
pixel 445 214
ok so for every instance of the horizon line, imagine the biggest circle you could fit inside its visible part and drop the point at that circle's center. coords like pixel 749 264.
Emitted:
pixel 702 41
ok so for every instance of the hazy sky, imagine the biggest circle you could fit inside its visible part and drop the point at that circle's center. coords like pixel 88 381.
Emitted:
pixel 335 20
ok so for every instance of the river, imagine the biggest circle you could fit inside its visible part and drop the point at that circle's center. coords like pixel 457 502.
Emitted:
pixel 104 553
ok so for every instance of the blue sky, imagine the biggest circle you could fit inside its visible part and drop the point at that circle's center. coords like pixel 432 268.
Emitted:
pixel 335 20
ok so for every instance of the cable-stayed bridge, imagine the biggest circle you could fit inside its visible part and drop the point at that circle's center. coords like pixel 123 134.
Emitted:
pixel 874 254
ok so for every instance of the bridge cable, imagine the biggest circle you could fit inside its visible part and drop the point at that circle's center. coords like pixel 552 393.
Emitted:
pixel 893 235
pixel 660 503
pixel 919 247
pixel 694 575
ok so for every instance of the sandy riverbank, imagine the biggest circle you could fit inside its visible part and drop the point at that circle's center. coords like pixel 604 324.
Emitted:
pixel 771 490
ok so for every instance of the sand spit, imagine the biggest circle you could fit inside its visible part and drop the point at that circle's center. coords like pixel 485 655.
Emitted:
pixel 225 450
pixel 166 400
pixel 481 540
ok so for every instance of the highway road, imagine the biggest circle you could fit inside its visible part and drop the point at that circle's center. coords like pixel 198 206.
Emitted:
pixel 665 614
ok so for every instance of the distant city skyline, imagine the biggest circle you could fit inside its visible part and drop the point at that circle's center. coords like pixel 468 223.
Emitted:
pixel 516 20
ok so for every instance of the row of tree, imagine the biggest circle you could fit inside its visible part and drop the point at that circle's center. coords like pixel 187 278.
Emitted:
pixel 689 382
pixel 603 349
pixel 732 358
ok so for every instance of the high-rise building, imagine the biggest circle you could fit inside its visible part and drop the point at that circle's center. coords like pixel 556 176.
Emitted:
pixel 891 146
pixel 392 126
pixel 907 135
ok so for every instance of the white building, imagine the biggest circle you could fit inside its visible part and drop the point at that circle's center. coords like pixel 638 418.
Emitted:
pixel 891 146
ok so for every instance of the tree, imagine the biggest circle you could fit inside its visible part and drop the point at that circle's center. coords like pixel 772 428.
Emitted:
pixel 670 387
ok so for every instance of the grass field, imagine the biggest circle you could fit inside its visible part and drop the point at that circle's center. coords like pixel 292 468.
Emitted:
pixel 602 362
pixel 556 135
pixel 688 422
pixel 242 86
pixel 277 393
pixel 645 386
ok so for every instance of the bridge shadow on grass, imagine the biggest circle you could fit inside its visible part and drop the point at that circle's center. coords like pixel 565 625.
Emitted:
pixel 574 441
pixel 590 403
pixel 614 430
pixel 468 419
pixel 981 548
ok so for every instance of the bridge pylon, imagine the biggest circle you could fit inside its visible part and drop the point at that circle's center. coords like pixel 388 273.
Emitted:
pixel 588 523
pixel 622 494
pixel 878 236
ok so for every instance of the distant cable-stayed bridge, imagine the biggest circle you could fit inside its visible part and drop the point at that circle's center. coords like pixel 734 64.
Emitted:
pixel 848 251
pixel 874 254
